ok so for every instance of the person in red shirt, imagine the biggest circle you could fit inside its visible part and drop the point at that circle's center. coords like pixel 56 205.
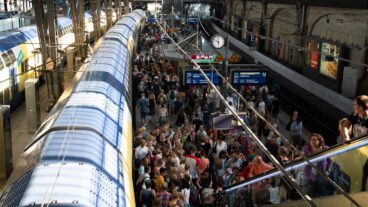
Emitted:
pixel 246 170
pixel 191 155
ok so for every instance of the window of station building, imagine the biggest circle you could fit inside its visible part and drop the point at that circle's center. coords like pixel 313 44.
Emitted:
pixel 329 60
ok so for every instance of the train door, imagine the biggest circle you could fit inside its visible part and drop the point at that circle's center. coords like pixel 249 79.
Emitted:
pixel 5 82
pixel 15 75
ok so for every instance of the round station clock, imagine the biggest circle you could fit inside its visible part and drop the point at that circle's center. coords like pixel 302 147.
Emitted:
pixel 217 41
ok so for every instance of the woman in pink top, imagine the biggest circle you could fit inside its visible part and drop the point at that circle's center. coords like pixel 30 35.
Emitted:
pixel 205 163
pixel 260 192
pixel 259 166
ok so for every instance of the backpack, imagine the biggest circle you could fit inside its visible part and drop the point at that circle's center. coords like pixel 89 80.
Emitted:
pixel 139 186
pixel 194 197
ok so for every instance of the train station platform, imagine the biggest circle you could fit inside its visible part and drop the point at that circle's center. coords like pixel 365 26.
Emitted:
pixel 20 136
pixel 321 108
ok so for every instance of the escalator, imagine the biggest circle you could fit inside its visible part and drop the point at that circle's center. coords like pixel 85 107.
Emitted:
pixel 349 171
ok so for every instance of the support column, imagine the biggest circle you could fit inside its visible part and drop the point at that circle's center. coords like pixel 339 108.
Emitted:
pixel 108 12
pixel 46 27
pixel 96 25
pixel 32 105
pixel 70 66
pixel 118 9
pixel 126 6
pixel 77 14
pixel 6 155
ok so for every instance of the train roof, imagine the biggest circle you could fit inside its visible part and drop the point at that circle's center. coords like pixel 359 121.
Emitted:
pixel 87 15
pixel 10 39
pixel 63 22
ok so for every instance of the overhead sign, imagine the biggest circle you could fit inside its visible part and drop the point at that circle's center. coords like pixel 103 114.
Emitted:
pixel 153 20
pixel 246 77
pixel 219 58
pixel 234 58
pixel 226 121
pixel 194 77
pixel 205 58
pixel 192 20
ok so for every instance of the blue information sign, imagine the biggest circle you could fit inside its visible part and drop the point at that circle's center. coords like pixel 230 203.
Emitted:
pixel 192 20
pixel 242 77
pixel 153 20
pixel 193 77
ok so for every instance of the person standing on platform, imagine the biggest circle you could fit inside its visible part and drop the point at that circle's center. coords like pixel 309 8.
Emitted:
pixel 296 130
pixel 147 195
pixel 275 107
pixel 152 108
pixel 316 184
pixel 163 115
pixel 143 107
pixel 358 120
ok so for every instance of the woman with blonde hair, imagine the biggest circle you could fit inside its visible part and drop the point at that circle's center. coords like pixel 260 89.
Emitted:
pixel 345 127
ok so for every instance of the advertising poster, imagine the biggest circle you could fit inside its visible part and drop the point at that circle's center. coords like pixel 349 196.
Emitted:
pixel 314 60
pixel 312 56
pixel 329 60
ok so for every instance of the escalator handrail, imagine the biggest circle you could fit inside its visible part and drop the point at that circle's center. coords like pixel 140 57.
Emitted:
pixel 330 152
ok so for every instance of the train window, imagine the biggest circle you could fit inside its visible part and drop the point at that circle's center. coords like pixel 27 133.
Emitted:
pixel 1 65
pixel 12 56
pixel 24 66
pixel 6 59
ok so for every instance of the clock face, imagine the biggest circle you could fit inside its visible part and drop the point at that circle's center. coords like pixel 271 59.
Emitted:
pixel 217 41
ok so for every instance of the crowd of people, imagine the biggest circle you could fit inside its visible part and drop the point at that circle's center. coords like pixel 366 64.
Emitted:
pixel 182 160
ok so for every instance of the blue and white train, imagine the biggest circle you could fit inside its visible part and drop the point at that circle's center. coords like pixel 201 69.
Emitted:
pixel 19 55
pixel 82 153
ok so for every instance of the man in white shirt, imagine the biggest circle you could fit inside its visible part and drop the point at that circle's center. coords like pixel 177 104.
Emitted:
pixel 220 145
pixel 141 151
pixel 262 106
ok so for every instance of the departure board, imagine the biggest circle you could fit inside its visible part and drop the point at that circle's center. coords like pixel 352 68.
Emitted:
pixel 242 77
pixel 194 77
